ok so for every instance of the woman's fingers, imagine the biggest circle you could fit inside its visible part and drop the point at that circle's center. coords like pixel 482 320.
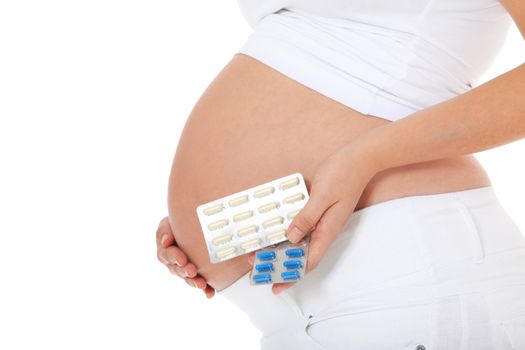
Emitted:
pixel 197 282
pixel 279 287
pixel 166 240
pixel 167 251
pixel 308 216
pixel 177 261
pixel 172 255
pixel 164 235
pixel 209 291
pixel 189 270
pixel 329 227
pixel 251 258
pixel 177 270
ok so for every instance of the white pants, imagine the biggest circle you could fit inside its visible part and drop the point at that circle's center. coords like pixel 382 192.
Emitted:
pixel 432 272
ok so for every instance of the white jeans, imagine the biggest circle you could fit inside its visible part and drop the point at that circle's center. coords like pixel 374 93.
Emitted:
pixel 433 272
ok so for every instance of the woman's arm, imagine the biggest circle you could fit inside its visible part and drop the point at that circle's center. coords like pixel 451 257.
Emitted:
pixel 487 116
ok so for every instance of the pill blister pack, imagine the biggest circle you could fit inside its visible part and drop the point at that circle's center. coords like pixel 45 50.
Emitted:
pixel 285 262
pixel 251 219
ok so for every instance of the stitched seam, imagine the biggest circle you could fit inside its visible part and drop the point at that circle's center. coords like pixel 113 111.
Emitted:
pixel 415 226
pixel 503 327
pixel 315 320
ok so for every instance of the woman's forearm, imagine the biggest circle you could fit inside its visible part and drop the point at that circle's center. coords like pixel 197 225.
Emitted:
pixel 487 116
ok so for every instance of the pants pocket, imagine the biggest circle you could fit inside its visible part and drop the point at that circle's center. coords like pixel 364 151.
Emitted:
pixel 465 322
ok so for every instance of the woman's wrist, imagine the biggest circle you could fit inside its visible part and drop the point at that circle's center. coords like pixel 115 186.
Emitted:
pixel 367 154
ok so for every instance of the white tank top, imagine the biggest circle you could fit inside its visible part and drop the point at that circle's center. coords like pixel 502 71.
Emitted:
pixel 410 52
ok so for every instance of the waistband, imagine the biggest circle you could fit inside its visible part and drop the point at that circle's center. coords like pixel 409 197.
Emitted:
pixel 470 197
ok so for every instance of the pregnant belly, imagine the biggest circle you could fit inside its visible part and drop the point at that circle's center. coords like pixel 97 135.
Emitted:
pixel 252 125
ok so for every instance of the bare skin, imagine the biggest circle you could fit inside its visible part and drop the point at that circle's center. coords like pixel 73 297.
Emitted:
pixel 252 125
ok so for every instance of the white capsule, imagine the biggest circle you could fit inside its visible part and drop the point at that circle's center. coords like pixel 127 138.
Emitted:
pixel 251 244
pixel 218 224
pixel 225 252
pixel 238 201
pixel 294 198
pixel 264 192
pixel 213 210
pixel 247 231
pixel 289 183
pixel 243 216
pixel 222 239
pixel 272 222
pixel 292 214
pixel 267 207
pixel 276 235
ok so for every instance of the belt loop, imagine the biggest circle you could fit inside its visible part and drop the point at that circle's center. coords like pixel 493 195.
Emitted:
pixel 479 254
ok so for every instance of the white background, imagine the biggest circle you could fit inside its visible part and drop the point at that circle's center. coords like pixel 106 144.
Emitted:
pixel 93 97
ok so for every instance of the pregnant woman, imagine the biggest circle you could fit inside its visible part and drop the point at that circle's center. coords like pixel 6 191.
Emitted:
pixel 377 104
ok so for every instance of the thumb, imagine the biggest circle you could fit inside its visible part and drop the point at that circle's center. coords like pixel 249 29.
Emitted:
pixel 307 218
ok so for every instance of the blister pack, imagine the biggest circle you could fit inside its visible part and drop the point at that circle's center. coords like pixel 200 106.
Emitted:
pixel 285 262
pixel 251 219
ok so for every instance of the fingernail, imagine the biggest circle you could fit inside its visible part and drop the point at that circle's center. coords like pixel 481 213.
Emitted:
pixel 295 235
pixel 164 260
pixel 163 239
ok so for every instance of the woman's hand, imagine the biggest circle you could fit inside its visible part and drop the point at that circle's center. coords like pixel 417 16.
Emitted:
pixel 177 261
pixel 335 191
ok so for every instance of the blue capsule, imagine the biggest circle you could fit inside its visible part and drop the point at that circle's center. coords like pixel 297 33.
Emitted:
pixel 294 252
pixel 290 275
pixel 265 267
pixel 262 278
pixel 293 264
pixel 266 255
